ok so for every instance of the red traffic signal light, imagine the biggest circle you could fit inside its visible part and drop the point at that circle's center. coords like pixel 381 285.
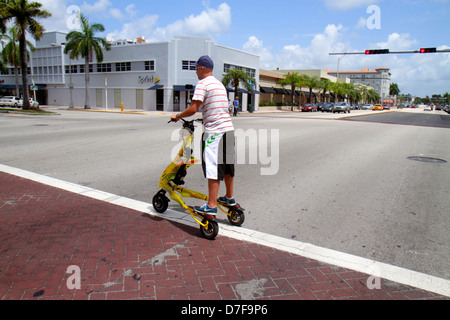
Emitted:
pixel 428 50
pixel 378 51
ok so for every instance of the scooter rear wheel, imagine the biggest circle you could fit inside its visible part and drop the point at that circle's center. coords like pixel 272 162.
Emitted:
pixel 212 231
pixel 160 203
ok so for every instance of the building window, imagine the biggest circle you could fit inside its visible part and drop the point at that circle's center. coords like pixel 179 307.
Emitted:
pixel 188 65
pixel 249 71
pixel 149 65
pixel 104 67
pixel 123 66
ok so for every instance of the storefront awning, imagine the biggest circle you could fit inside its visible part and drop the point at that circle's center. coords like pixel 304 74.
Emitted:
pixel 183 88
pixel 280 91
pixel 267 90
pixel 13 86
pixel 156 87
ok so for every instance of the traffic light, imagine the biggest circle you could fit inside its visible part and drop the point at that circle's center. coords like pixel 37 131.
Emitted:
pixel 428 50
pixel 378 51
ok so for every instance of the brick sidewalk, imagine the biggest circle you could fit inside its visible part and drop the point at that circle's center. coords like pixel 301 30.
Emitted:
pixel 123 254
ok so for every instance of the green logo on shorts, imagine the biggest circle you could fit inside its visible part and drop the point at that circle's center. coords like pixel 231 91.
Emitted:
pixel 211 140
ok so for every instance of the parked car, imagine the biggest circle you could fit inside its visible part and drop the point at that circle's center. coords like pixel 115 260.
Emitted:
pixel 328 107
pixel 9 101
pixel 33 103
pixel 309 108
pixel 366 107
pixel 341 107
pixel 320 105
pixel 386 107
pixel 427 108
pixel 377 107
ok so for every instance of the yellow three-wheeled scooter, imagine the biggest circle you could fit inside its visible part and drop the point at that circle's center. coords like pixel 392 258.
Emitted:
pixel 173 178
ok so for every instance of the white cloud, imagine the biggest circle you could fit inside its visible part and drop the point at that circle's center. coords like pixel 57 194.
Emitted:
pixel 116 14
pixel 398 41
pixel 348 4
pixel 58 20
pixel 253 45
pixel 210 21
pixel 133 30
pixel 101 6
pixel 412 72
pixel 361 24
pixel 131 10
pixel 316 56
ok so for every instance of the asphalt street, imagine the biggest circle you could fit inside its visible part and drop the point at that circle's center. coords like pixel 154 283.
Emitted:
pixel 350 186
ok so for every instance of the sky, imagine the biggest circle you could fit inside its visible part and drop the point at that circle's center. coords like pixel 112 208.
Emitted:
pixel 289 34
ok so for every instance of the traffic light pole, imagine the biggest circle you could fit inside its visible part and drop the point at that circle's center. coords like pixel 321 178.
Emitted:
pixel 390 52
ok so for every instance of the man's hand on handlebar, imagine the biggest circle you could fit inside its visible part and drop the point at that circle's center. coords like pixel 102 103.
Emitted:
pixel 174 118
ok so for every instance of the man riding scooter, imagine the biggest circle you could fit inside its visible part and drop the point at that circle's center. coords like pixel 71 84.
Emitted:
pixel 218 156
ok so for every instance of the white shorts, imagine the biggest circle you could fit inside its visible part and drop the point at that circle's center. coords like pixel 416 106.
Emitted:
pixel 218 156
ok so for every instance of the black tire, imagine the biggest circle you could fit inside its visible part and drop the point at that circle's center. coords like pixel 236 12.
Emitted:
pixel 236 217
pixel 160 203
pixel 212 231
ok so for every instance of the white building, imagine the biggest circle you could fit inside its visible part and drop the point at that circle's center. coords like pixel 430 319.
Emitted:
pixel 379 79
pixel 147 76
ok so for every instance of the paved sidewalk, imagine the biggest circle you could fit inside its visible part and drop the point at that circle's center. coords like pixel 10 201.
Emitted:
pixel 125 254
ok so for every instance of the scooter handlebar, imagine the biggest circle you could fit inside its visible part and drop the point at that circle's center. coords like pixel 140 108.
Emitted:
pixel 184 121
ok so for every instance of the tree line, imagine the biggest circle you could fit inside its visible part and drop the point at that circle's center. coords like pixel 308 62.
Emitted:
pixel 354 93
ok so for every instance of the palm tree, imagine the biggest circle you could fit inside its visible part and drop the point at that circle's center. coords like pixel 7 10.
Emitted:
pixel 325 85
pixel 235 77
pixel 351 93
pixel 2 16
pixel 11 53
pixel 338 89
pixel 3 67
pixel 394 90
pixel 84 44
pixel 363 91
pixel 24 16
pixel 373 96
pixel 312 82
pixel 294 80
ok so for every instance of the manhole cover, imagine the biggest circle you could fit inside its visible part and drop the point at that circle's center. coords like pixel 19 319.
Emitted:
pixel 427 159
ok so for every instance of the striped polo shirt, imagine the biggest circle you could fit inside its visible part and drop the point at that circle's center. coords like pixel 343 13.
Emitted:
pixel 214 107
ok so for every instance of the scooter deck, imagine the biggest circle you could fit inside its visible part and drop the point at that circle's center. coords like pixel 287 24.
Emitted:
pixel 236 206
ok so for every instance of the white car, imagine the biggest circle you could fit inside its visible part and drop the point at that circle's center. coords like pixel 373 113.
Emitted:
pixel 33 104
pixel 9 101
pixel 427 108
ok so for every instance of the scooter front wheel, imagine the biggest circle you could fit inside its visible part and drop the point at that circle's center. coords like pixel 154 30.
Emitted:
pixel 211 231
pixel 160 203
pixel 236 217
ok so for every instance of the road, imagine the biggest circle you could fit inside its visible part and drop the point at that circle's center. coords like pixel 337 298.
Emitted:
pixel 344 184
